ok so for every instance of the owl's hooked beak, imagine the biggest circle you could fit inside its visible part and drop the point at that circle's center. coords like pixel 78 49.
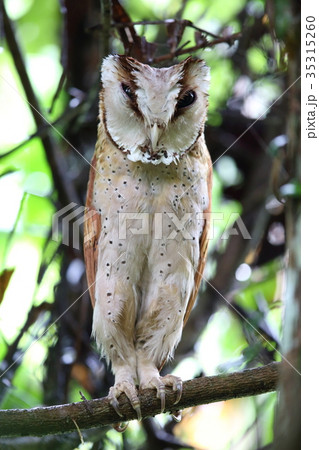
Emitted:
pixel 155 133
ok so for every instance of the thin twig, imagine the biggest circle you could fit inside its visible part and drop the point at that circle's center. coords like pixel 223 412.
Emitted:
pixel 58 90
pixel 182 51
pixel 78 430
pixel 86 402
pixel 187 23
pixel 228 40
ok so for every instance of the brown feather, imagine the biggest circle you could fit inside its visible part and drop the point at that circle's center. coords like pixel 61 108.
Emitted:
pixel 204 241
pixel 92 229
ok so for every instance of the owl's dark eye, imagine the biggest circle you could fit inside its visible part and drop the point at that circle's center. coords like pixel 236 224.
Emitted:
pixel 128 91
pixel 188 98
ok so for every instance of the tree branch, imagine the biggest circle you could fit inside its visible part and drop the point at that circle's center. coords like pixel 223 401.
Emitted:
pixel 98 412
pixel 183 51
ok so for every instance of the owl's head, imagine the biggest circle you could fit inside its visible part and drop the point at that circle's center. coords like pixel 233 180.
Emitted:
pixel 154 115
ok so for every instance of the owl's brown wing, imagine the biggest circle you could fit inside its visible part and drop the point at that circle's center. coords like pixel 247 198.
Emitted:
pixel 204 240
pixel 92 229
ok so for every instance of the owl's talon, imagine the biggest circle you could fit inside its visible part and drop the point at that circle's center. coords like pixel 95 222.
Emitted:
pixel 134 400
pixel 137 408
pixel 129 390
pixel 160 383
pixel 179 389
pixel 161 396
pixel 177 385
pixel 115 404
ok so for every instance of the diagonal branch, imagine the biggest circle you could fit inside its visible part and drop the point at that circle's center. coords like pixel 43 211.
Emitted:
pixel 97 413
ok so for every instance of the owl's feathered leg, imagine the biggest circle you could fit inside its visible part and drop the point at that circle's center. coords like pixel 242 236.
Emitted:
pixel 124 382
pixel 150 379
pixel 158 331
pixel 113 327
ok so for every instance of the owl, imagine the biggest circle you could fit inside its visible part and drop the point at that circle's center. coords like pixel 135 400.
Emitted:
pixel 146 237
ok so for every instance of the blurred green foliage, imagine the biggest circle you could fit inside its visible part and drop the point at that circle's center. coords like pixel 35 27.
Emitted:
pixel 28 203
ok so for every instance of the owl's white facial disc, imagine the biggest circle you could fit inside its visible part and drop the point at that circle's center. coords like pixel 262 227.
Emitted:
pixel 154 115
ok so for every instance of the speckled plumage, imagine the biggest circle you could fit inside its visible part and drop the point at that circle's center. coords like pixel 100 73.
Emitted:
pixel 145 249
